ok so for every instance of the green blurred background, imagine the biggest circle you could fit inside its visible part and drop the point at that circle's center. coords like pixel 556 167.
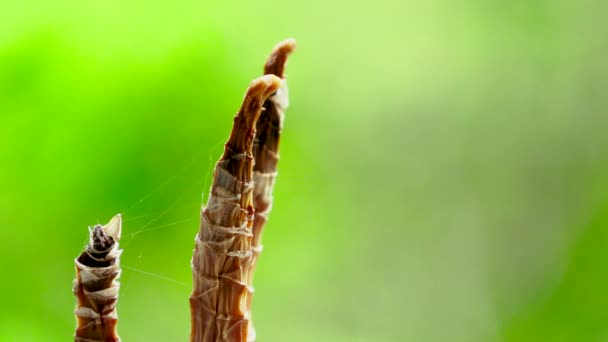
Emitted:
pixel 443 173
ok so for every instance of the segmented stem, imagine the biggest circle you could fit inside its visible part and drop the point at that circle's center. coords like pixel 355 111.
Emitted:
pixel 222 256
pixel 96 285
pixel 266 153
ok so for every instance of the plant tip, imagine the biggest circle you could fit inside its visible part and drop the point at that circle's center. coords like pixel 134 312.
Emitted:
pixel 114 227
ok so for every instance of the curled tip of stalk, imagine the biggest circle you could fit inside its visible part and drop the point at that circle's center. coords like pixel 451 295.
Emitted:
pixel 258 92
pixel 275 64
pixel 114 227
pixel 241 137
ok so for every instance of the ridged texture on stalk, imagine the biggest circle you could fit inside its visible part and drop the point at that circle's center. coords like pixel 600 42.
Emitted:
pixel 96 285
pixel 222 256
pixel 266 153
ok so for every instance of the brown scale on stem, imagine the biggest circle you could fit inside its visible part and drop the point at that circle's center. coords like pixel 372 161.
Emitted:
pixel 95 286
pixel 266 153
pixel 222 256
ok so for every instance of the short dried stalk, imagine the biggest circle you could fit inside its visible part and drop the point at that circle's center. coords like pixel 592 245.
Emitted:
pixel 266 153
pixel 222 256
pixel 95 286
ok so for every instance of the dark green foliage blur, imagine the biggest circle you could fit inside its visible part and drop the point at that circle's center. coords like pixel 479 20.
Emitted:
pixel 443 174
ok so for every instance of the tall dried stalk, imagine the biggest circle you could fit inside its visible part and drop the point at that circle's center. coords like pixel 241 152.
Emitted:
pixel 95 286
pixel 266 154
pixel 222 257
